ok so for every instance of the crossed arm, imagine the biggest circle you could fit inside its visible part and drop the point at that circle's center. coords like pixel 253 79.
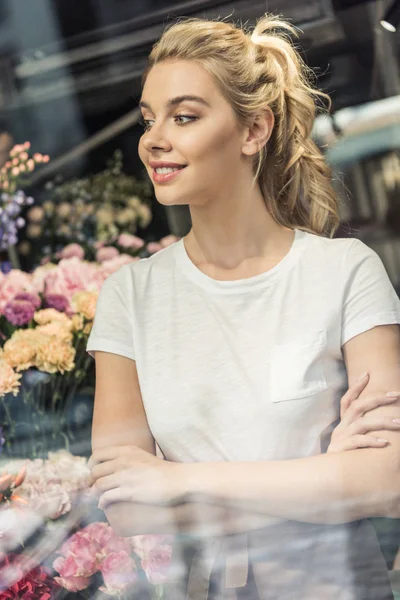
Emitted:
pixel 236 496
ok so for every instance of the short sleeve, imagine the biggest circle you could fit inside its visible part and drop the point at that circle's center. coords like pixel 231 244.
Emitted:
pixel 112 329
pixel 370 298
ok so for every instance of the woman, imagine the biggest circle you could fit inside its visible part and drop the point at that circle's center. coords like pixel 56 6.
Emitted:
pixel 231 347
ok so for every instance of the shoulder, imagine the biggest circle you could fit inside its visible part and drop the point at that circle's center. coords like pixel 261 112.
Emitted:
pixel 346 249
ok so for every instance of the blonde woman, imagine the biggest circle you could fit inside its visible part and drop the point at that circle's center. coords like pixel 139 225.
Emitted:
pixel 229 350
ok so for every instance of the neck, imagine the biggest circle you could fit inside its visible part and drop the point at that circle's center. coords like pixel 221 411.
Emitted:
pixel 229 238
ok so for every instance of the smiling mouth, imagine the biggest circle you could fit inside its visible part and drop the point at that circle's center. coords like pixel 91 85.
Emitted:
pixel 165 170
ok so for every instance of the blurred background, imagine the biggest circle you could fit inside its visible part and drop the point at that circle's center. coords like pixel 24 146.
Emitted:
pixel 76 203
pixel 70 81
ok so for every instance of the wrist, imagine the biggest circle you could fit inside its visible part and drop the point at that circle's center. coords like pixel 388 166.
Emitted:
pixel 203 480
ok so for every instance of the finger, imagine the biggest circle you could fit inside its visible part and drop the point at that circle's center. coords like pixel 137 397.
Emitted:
pixel 352 394
pixel 362 406
pixel 119 494
pixel 365 425
pixel 107 483
pixel 107 453
pixel 105 468
pixel 358 441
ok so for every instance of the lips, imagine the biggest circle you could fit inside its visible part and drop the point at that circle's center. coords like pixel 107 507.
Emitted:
pixel 164 177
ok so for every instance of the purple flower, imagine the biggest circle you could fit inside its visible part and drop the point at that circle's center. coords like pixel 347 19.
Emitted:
pixel 57 301
pixel 19 312
pixel 2 440
pixel 35 300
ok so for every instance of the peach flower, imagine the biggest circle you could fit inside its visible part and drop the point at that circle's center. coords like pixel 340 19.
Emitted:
pixel 84 303
pixel 20 354
pixel 9 379
pixel 55 356
pixel 48 315
pixel 56 328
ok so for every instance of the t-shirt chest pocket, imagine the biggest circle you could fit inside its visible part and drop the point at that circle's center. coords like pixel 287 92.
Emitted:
pixel 296 368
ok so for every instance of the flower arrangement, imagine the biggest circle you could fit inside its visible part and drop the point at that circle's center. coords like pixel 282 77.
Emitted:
pixel 95 208
pixel 97 550
pixel 80 559
pixel 13 176
pixel 45 320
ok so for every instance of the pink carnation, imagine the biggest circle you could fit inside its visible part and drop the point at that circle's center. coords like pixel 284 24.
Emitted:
pixel 110 266
pixel 80 556
pixel 168 240
pixel 153 247
pixel 126 240
pixel 70 276
pixel 156 564
pixel 13 283
pixel 71 251
pixel 57 301
pixel 19 312
pixel 107 540
pixel 119 571
pixel 155 552
pixel 32 298
pixel 106 253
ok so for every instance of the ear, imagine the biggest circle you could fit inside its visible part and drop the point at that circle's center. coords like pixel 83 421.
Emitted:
pixel 259 132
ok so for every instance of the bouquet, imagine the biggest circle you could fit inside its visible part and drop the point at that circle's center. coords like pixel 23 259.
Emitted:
pixel 47 551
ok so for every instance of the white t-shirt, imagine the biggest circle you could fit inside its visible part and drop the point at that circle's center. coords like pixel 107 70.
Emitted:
pixel 253 370
pixel 250 369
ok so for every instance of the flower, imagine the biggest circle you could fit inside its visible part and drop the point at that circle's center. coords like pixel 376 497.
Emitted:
pixel 55 355
pixel 155 552
pixel 107 253
pixel 9 379
pixel 154 247
pixel 72 250
pixel 36 214
pixel 19 353
pixel 14 282
pixel 34 231
pixel 84 303
pixel 58 329
pixel 47 315
pixel 19 312
pixel 119 571
pixel 37 583
pixel 126 240
pixel 32 298
pixel 56 301
pixel 168 240
pixel 71 275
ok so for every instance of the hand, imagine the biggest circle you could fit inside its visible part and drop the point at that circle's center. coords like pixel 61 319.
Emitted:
pixel 128 473
pixel 354 428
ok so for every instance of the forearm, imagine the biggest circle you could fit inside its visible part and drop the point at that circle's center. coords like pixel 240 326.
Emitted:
pixel 329 488
pixel 190 518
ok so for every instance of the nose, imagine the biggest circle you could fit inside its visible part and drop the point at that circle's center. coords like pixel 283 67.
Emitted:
pixel 155 139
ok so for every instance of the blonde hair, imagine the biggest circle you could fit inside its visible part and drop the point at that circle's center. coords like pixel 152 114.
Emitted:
pixel 255 70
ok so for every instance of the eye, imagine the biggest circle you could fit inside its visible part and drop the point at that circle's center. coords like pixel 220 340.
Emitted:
pixel 185 117
pixel 144 123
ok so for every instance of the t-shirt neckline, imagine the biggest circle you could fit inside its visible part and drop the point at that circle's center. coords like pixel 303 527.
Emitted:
pixel 196 275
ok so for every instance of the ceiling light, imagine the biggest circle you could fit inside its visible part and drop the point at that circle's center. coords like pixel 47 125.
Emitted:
pixel 391 18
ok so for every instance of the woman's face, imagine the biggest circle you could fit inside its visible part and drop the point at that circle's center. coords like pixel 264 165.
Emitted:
pixel 202 136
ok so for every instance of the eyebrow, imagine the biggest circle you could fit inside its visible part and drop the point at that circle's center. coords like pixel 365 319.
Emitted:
pixel 178 100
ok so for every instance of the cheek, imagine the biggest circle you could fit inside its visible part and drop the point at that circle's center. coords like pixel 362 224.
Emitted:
pixel 141 150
